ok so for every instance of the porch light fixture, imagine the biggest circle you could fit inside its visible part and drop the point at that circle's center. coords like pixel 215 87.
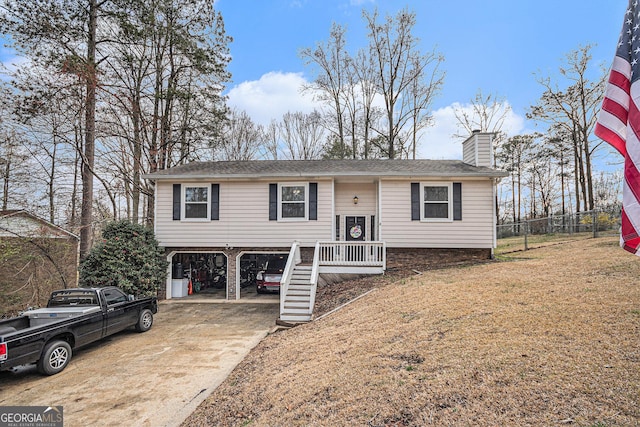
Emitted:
pixel 355 200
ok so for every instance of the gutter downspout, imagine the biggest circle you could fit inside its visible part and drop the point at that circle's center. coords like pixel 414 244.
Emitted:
pixel 494 185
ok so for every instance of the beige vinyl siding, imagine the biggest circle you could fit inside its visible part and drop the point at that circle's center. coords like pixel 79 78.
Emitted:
pixel 366 193
pixel 469 152
pixel 474 231
pixel 367 204
pixel 477 151
pixel 484 151
pixel 244 219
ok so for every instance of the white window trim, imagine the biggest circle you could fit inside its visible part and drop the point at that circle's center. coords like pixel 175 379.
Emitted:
pixel 449 186
pixel 183 204
pixel 306 201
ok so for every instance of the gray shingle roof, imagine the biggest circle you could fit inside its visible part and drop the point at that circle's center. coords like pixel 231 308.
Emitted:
pixel 323 168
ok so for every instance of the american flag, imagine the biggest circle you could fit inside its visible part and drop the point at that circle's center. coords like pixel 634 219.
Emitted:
pixel 619 122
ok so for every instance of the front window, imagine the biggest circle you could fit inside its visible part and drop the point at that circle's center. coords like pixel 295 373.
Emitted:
pixel 293 201
pixel 437 202
pixel 196 202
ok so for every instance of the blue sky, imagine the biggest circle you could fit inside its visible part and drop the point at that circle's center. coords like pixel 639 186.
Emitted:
pixel 492 45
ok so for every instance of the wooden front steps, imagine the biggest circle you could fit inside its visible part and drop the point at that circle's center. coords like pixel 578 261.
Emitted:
pixel 296 306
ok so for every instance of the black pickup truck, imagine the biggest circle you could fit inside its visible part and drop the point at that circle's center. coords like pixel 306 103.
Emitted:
pixel 73 318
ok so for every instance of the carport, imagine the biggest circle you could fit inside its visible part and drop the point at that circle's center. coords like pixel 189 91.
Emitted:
pixel 197 272
pixel 251 263
pixel 212 274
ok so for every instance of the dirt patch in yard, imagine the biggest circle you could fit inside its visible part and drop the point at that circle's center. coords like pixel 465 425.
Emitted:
pixel 545 337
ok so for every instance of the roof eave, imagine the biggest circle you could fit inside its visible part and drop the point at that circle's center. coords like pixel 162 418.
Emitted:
pixel 227 177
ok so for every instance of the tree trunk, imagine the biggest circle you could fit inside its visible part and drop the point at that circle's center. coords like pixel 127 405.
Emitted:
pixel 137 157
pixel 576 177
pixel 589 183
pixel 52 212
pixel 5 188
pixel 86 215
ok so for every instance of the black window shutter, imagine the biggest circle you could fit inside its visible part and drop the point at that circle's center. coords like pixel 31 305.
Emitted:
pixel 415 201
pixel 373 227
pixel 177 194
pixel 457 201
pixel 313 201
pixel 215 202
pixel 273 202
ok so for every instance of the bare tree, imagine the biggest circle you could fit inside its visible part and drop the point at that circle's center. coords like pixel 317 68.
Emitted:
pixel 512 158
pixel 542 177
pixel 13 159
pixel 270 138
pixel 399 64
pixel 302 135
pixel 331 80
pixel 240 138
pixel 44 107
pixel 364 69
pixel 392 68
pixel 420 95
pixel 560 144
pixel 486 113
pixel 574 109
pixel 162 72
pixel 64 35
pixel 607 187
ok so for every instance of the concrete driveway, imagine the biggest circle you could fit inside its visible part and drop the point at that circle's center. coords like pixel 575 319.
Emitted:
pixel 151 379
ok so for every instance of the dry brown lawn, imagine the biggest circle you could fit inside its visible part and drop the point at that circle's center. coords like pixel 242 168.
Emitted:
pixel 547 337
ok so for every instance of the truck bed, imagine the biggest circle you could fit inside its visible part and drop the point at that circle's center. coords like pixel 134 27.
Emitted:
pixel 43 316
pixel 14 324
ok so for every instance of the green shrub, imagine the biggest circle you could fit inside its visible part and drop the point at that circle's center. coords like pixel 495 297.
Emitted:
pixel 129 257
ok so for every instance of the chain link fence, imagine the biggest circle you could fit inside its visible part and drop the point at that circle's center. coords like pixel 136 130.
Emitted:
pixel 555 229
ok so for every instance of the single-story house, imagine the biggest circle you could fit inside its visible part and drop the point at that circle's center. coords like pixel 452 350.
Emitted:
pixel 36 257
pixel 217 218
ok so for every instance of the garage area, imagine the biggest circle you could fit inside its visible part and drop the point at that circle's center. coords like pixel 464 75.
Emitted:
pixel 252 268
pixel 199 273
pixel 213 275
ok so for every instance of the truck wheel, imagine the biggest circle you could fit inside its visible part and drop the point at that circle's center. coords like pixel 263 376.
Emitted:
pixel 55 357
pixel 144 321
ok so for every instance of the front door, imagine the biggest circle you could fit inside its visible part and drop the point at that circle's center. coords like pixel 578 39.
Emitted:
pixel 355 231
pixel 355 228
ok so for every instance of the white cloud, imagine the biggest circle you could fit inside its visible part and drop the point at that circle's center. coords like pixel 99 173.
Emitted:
pixel 438 141
pixel 277 93
pixel 272 96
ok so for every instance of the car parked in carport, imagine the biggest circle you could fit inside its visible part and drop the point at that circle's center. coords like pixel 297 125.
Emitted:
pixel 268 280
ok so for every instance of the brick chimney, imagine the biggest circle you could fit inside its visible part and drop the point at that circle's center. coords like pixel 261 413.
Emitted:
pixel 477 150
